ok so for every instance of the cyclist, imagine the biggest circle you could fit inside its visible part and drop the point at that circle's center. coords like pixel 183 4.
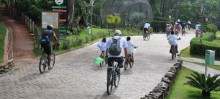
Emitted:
pixel 47 36
pixel 115 46
pixel 146 27
pixel 189 24
pixel 102 46
pixel 131 47
pixel 173 40
pixel 168 29
pixel 198 30
pixel 177 28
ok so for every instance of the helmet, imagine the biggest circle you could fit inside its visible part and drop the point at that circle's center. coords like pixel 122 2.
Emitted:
pixel 117 32
pixel 50 26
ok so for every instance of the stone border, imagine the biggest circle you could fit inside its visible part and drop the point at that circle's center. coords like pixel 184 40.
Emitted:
pixel 162 89
pixel 6 61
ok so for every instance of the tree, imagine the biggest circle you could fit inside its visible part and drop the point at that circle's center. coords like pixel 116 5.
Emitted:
pixel 206 84
pixel 113 20
pixel 137 18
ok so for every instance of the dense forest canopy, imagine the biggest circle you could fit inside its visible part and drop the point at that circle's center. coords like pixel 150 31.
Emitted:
pixel 194 10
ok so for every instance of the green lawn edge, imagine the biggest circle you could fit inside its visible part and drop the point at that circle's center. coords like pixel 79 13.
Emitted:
pixel 181 91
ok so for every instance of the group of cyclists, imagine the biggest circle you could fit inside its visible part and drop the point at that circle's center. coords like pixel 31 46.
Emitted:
pixel 114 47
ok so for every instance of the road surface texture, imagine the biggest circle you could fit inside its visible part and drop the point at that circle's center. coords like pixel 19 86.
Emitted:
pixel 76 76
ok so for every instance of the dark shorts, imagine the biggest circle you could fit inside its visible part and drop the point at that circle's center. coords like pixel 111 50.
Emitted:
pixel 47 48
pixel 145 29
pixel 117 59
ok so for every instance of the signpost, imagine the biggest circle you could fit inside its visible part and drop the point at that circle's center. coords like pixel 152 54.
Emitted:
pixel 209 59
pixel 61 8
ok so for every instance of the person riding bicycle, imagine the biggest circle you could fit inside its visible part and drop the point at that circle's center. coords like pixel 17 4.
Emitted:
pixel 146 27
pixel 102 46
pixel 198 30
pixel 177 28
pixel 168 29
pixel 115 47
pixel 47 36
pixel 173 41
pixel 131 47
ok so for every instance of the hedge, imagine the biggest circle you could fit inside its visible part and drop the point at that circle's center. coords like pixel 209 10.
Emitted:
pixel 197 48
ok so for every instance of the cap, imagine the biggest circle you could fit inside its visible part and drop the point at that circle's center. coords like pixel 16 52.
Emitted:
pixel 117 32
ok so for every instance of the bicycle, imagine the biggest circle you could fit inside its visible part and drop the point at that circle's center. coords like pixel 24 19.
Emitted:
pixel 173 51
pixel 113 77
pixel 43 64
pixel 146 35
pixel 103 57
pixel 183 32
pixel 128 62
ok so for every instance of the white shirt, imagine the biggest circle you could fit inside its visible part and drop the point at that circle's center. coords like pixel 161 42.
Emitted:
pixel 197 27
pixel 146 25
pixel 189 22
pixel 172 39
pixel 102 46
pixel 131 47
pixel 123 44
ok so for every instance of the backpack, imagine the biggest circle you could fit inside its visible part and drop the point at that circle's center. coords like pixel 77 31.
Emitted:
pixel 46 35
pixel 115 48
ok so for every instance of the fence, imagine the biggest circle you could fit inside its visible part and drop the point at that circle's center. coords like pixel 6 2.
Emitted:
pixel 24 19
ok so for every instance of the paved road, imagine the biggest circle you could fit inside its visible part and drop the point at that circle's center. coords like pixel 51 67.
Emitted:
pixel 75 76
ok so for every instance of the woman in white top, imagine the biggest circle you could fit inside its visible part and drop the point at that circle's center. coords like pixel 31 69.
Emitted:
pixel 131 47
pixel 102 47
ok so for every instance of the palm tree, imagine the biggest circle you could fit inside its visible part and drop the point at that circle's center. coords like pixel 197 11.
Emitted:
pixel 206 84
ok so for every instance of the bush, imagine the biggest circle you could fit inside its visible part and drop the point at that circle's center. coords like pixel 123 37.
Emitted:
pixel 211 28
pixel 197 48
pixel 209 36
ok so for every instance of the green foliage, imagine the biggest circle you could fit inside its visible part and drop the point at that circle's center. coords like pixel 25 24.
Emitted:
pixel 208 43
pixel 117 19
pixel 180 90
pixel 137 18
pixel 206 84
pixel 110 19
pixel 2 40
pixel 113 20
pixel 159 24
pixel 211 28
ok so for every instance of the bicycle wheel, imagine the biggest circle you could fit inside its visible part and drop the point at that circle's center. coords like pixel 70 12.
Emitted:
pixel 130 63
pixel 148 36
pixel 42 65
pixel 109 81
pixel 52 61
pixel 173 52
pixel 125 65
pixel 116 77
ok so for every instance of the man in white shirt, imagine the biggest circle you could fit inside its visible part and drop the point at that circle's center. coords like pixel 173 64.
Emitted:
pixel 123 46
pixel 146 27
pixel 173 40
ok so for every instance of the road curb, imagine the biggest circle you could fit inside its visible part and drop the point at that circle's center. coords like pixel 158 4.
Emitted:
pixel 162 89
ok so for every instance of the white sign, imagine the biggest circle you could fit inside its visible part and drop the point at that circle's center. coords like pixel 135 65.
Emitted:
pixel 50 18
pixel 59 2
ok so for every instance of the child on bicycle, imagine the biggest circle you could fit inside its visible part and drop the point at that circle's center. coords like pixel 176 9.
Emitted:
pixel 102 46
pixel 173 40
pixel 131 47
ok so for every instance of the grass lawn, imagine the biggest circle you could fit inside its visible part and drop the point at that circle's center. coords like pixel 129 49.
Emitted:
pixel 2 39
pixel 181 91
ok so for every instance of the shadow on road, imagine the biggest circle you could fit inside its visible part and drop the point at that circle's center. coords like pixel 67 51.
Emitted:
pixel 30 77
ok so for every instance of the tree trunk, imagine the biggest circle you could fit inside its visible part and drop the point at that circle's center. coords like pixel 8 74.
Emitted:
pixel 205 93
